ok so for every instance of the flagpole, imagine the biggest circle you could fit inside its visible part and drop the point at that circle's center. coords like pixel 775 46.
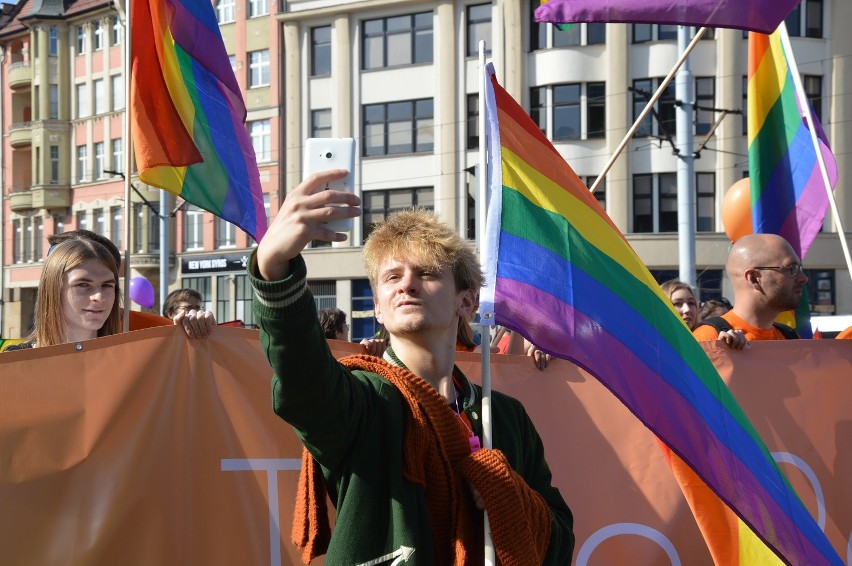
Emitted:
pixel 648 107
pixel 806 111
pixel 125 127
pixel 485 329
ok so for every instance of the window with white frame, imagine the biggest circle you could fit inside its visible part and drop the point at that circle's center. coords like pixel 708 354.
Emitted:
pixel 53 111
pixel 98 36
pixel 546 36
pixel 54 164
pixel 655 202
pixel 472 121
pixel 53 41
pixel 100 221
pixel 261 139
pixel 100 96
pixel 705 202
pixel 398 40
pixel 600 191
pixel 117 226
pixel 321 123
pixel 100 164
pixel 478 28
pixel 398 127
pixel 232 59
pixel 81 163
pixel 38 238
pixel 225 11
pixel 705 102
pixel 82 220
pixel 117 84
pixel 225 234
pixel 570 111
pixel 81 39
pixel 258 8
pixel 379 204
pixel 115 31
pixel 807 22
pixel 643 89
pixel 193 228
pixel 82 95
pixel 117 150
pixel 813 89
pixel 259 68
pixel 17 241
pixel 320 51
pixel 28 240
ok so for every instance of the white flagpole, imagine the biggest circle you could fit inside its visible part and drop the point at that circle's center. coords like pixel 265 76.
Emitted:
pixel 485 329
pixel 806 110
pixel 648 107
pixel 128 209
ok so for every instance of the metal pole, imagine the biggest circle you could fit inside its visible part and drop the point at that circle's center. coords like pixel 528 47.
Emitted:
pixel 164 247
pixel 685 166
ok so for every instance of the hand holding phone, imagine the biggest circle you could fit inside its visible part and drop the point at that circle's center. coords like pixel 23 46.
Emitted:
pixel 322 154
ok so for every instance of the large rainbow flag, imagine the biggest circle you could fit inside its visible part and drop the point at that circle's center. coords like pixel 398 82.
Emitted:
pixel 187 113
pixel 559 272
pixel 788 194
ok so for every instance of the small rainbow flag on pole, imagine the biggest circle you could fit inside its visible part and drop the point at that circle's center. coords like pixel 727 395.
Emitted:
pixel 788 194
pixel 187 113
pixel 559 272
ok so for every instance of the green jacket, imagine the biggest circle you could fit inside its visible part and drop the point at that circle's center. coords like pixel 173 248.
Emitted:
pixel 353 423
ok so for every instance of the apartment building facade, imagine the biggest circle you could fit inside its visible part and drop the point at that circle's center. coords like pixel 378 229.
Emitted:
pixel 402 78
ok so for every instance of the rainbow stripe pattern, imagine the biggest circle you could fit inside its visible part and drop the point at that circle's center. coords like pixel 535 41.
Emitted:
pixel 187 113
pixel 559 272
pixel 788 194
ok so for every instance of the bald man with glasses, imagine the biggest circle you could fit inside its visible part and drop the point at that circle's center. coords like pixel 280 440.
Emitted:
pixel 768 279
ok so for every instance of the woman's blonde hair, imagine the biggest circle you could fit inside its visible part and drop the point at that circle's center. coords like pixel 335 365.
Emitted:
pixel 672 285
pixel 419 235
pixel 50 326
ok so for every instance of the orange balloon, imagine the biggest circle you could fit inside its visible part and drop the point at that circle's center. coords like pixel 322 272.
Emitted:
pixel 736 210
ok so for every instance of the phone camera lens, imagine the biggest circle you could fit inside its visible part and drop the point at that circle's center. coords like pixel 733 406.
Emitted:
pixel 328 155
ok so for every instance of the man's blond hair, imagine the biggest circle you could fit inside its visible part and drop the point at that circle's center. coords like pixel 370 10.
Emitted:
pixel 418 235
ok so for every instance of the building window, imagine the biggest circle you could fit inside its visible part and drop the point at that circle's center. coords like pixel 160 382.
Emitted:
pixel 658 32
pixel 141 228
pixel 807 22
pixel 117 156
pixel 99 161
pixel 377 205
pixel 202 285
pixel 705 202
pixel 98 35
pixel 261 139
pixel 81 39
pixel 705 102
pixel 225 234
pixel 578 110
pixel 54 164
pixel 39 238
pixel 193 228
pixel 400 40
pixel 398 127
pixel 100 96
pixel 472 121
pixel 53 111
pixel 321 123
pixel 115 31
pixel 81 163
pixel 320 51
pixel 600 192
pixel 643 89
pixel 100 221
pixel 325 294
pixel 82 220
pixel 478 28
pixel 28 240
pixel 242 300
pixel 117 92
pixel 655 203
pixel 259 68
pixel 258 8
pixel 82 100
pixel 546 36
pixel 117 226
pixel 267 208
pixel 53 41
pixel 225 11
pixel 745 105
pixel 17 242
pixel 813 89
pixel 223 297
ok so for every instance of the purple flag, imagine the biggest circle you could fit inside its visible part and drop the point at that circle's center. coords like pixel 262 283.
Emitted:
pixel 755 15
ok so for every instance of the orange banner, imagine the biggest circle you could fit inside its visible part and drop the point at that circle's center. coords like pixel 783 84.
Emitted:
pixel 146 448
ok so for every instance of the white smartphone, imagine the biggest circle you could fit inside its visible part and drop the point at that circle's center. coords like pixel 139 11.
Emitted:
pixel 322 154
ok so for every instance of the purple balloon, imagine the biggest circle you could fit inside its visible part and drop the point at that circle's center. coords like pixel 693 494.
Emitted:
pixel 142 292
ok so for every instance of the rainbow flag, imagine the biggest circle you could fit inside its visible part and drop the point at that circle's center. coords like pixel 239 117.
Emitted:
pixel 559 272
pixel 788 195
pixel 187 113
pixel 756 15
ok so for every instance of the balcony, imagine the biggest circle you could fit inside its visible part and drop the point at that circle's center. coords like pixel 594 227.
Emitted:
pixel 49 197
pixel 20 201
pixel 20 75
pixel 21 134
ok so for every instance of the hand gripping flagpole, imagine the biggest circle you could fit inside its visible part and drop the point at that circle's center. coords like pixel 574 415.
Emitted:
pixel 804 104
pixel 485 328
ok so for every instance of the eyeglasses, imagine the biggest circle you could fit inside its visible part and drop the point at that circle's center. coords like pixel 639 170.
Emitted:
pixel 793 270
pixel 188 308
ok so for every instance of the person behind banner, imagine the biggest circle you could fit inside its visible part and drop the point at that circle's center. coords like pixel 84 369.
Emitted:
pixel 768 279
pixel 394 441
pixel 78 297
pixel 713 307
pixel 186 307
pixel 333 322
pixel 195 324
pixel 683 299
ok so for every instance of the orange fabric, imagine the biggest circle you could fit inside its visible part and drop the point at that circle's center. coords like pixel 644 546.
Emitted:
pixel 845 335
pixel 140 320
pixel 752 333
